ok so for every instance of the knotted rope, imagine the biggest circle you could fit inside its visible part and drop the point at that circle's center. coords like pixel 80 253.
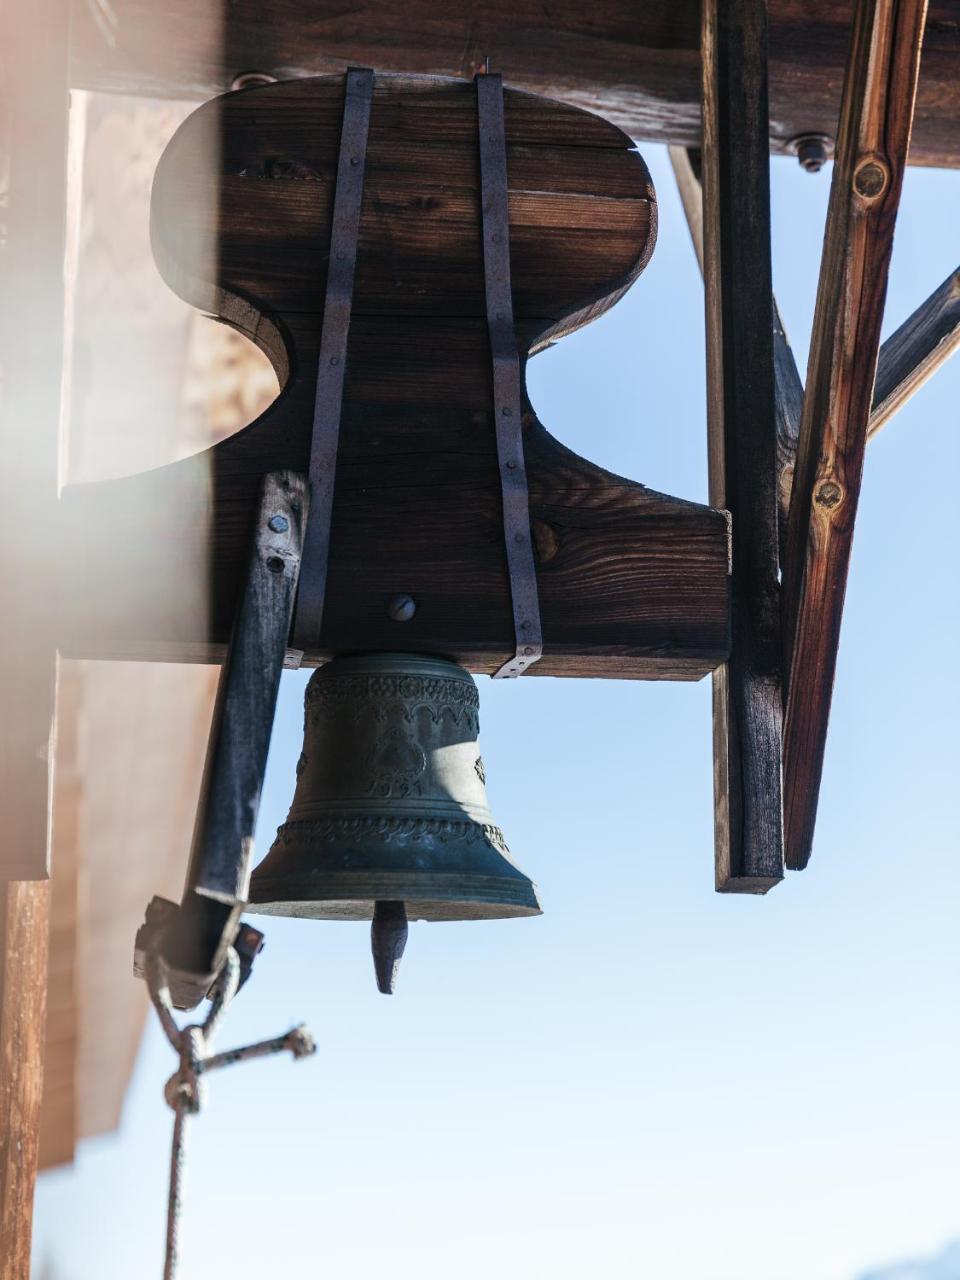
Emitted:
pixel 185 1090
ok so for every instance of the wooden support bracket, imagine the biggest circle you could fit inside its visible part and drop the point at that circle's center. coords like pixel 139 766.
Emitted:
pixel 925 341
pixel 874 136
pixel 742 439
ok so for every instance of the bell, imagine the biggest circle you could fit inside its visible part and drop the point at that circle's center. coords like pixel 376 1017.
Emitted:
pixel 389 819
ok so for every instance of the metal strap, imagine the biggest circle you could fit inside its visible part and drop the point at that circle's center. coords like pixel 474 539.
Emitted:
pixel 495 216
pixel 358 95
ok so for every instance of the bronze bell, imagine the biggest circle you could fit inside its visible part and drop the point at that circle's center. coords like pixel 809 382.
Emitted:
pixel 390 817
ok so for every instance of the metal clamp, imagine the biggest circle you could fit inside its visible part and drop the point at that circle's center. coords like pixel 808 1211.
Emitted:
pixel 338 303
pixel 507 401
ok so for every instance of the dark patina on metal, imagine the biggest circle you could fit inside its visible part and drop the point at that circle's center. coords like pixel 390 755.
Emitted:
pixel 390 805
pixel 507 399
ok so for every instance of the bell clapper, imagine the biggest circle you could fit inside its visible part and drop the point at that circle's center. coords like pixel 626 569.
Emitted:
pixel 388 937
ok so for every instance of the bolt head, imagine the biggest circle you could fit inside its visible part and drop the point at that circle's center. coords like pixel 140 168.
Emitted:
pixel 813 150
pixel 278 524
pixel 401 608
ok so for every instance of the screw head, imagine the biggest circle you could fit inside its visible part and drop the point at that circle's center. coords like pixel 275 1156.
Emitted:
pixel 401 608
pixel 278 524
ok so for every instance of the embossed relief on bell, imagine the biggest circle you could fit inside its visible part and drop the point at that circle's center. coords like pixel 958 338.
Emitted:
pixel 396 765
pixel 391 803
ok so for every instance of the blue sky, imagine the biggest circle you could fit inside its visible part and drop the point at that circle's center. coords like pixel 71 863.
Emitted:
pixel 650 1080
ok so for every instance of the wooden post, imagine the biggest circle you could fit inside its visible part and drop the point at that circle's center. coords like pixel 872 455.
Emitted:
pixel 788 388
pixel 874 136
pixel 24 907
pixel 742 438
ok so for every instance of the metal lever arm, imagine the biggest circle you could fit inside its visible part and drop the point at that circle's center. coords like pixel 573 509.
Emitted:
pixel 193 939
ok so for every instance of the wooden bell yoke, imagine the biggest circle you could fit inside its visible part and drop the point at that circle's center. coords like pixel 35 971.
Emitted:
pixel 399 247
pixel 417 429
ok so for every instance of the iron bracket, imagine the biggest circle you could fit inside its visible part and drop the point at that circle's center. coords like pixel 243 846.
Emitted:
pixel 331 366
pixel 507 398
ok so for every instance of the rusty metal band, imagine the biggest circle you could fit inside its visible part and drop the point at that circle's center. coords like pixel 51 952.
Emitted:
pixel 344 233
pixel 507 402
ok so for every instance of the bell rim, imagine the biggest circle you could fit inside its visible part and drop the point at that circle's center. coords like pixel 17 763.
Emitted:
pixel 353 896
pixel 360 910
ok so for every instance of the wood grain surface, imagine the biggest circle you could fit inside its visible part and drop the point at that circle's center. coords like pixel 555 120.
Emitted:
pixel 636 64
pixel 871 155
pixel 632 583
pixel 916 350
pixel 742 437
pixel 24 914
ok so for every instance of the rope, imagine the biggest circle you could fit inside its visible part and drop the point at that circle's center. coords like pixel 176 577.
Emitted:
pixel 185 1091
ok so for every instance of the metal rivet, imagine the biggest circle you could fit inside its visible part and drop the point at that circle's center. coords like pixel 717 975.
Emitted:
pixel 511 466
pixel 340 255
pixel 354 160
pixel 334 359
pixel 279 524
pixel 401 608
pixel 528 649
pixel 275 564
pixel 518 537
pixel 507 411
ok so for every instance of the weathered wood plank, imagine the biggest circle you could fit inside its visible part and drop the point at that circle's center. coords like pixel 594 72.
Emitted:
pixel 631 582
pixel 59 1114
pixel 24 912
pixel 916 351
pixel 874 137
pixel 742 439
pixel 636 64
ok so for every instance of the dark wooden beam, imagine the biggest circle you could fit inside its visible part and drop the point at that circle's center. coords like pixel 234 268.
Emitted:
pixel 788 387
pixel 742 439
pixel 874 137
pixel 631 583
pixel 637 64
pixel 24 908
pixel 916 351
